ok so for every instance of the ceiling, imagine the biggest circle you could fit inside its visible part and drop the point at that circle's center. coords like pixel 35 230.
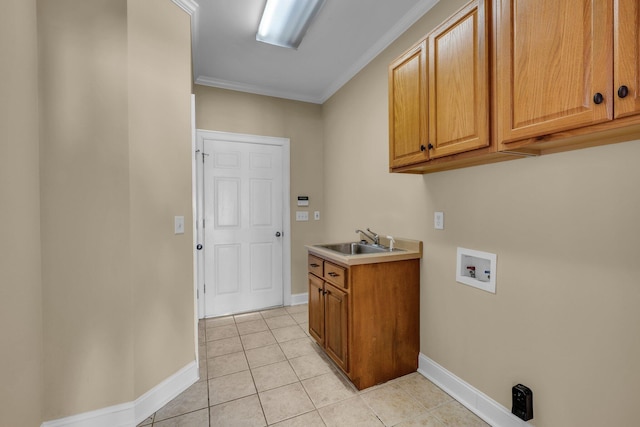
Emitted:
pixel 344 37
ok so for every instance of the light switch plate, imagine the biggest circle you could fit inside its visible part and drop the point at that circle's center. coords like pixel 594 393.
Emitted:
pixel 178 225
pixel 302 216
pixel 316 215
pixel 438 220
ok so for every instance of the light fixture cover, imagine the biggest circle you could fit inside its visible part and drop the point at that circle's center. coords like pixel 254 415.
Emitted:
pixel 285 22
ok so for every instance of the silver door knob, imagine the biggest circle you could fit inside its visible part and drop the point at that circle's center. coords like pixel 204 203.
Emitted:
pixel 278 234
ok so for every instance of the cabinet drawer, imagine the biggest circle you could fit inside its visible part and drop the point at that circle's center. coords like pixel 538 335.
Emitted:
pixel 314 265
pixel 335 274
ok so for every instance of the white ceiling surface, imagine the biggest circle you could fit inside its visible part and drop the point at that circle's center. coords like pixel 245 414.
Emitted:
pixel 344 37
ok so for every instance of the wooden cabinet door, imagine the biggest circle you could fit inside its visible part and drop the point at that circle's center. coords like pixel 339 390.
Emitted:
pixel 459 82
pixel 407 107
pixel 626 51
pixel 336 317
pixel 551 58
pixel 316 308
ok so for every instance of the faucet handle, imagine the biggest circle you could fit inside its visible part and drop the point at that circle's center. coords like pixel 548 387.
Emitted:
pixel 376 237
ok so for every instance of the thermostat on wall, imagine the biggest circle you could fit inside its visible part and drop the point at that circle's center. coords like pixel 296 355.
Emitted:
pixel 303 200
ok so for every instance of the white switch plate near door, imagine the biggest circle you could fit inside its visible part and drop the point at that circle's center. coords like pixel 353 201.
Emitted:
pixel 438 220
pixel 178 225
pixel 302 215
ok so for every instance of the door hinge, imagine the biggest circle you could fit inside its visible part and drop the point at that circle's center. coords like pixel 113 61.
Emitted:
pixel 197 293
pixel 204 286
pixel 202 222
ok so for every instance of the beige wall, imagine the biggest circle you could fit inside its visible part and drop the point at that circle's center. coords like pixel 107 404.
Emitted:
pixel 229 111
pixel 565 318
pixel 20 275
pixel 115 169
pixel 88 339
pixel 160 188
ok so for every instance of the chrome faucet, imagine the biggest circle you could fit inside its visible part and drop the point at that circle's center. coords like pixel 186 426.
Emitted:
pixel 373 236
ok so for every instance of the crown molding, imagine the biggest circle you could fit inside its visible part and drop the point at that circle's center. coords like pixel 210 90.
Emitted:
pixel 410 18
pixel 255 89
pixel 189 6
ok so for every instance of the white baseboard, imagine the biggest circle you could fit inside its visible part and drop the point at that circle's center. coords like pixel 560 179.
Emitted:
pixel 166 391
pixel 131 414
pixel 473 399
pixel 297 299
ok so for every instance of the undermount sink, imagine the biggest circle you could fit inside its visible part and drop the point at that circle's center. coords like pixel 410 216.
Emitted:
pixel 357 248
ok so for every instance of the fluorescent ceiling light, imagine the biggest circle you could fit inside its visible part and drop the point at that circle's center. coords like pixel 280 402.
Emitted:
pixel 285 22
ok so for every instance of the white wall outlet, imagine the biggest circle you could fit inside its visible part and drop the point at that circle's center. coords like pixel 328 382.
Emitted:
pixel 302 216
pixel 438 220
pixel 316 215
pixel 178 225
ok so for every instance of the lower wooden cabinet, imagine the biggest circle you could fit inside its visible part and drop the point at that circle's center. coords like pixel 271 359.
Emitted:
pixel 366 317
pixel 335 324
pixel 328 309
pixel 316 308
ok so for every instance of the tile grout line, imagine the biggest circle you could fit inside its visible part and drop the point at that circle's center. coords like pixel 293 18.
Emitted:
pixel 255 386
pixel 402 386
pixel 206 361
pixel 287 359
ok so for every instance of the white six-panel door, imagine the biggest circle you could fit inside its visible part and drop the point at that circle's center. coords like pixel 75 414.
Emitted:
pixel 243 226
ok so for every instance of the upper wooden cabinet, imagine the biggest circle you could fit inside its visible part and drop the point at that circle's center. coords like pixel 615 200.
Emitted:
pixel 504 77
pixel 408 107
pixel 439 93
pixel 553 59
pixel 626 53
pixel 459 83
pixel 563 66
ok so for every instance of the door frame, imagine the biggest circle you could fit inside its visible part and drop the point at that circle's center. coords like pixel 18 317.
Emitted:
pixel 201 135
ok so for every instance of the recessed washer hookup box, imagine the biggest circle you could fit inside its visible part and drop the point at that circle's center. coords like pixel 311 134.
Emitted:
pixel 477 269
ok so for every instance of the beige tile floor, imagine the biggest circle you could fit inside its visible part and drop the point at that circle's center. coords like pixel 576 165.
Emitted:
pixel 263 369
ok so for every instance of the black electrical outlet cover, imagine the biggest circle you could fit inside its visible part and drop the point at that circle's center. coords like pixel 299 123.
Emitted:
pixel 522 398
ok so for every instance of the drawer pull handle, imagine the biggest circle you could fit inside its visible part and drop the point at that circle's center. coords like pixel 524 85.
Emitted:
pixel 314 265
pixel 623 91
pixel 598 98
pixel 332 274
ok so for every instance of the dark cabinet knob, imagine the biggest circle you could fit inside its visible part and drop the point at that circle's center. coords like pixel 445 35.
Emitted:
pixel 422 148
pixel 430 146
pixel 278 234
pixel 623 91
pixel 199 247
pixel 598 98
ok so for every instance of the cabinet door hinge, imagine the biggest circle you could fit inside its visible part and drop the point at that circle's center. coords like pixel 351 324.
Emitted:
pixel 204 287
